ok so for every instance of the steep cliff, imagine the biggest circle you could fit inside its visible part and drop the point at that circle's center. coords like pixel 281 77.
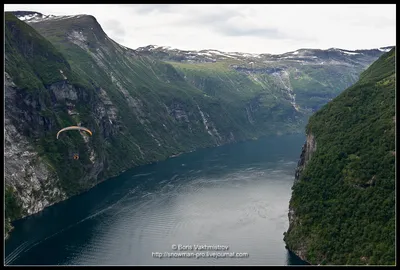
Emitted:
pixel 307 150
pixel 140 110
pixel 64 70
pixel 342 209
pixel 43 94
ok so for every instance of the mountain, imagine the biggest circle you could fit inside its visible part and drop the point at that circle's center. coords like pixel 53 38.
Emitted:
pixel 140 110
pixel 342 209
pixel 65 70
pixel 309 78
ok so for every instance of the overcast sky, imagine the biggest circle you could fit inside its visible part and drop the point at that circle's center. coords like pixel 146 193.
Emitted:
pixel 260 28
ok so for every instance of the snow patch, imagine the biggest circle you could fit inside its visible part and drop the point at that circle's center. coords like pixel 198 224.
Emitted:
pixel 247 54
pixel 216 52
pixel 244 54
pixel 35 17
pixel 350 53
pixel 205 53
pixel 230 56
pixel 234 53
pixel 343 51
pixel 384 49
pixel 27 17
pixel 154 47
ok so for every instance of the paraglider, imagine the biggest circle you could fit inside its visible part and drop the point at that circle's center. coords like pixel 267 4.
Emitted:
pixel 76 156
pixel 74 128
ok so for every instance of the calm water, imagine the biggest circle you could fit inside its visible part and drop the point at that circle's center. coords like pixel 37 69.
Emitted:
pixel 234 195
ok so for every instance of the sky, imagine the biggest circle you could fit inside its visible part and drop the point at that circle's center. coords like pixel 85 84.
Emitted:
pixel 253 28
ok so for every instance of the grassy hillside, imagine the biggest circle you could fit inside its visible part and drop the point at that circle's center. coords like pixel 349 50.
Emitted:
pixel 262 96
pixel 31 58
pixel 307 78
pixel 344 201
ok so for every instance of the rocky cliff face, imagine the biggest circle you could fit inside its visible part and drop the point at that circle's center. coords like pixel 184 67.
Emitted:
pixel 32 177
pixel 41 96
pixel 309 147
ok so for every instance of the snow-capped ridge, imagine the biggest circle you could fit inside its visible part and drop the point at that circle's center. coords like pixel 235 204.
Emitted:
pixel 32 16
pixel 154 47
pixel 303 56
pixel 385 49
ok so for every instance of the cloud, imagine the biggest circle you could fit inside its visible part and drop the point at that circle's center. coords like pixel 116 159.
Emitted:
pixel 256 28
pixel 115 29
pixel 229 21
pixel 199 16
pixel 231 30
pixel 156 8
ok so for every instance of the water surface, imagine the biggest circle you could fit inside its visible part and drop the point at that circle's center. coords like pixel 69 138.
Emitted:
pixel 233 195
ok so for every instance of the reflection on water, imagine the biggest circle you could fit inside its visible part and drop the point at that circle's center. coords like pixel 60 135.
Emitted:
pixel 234 195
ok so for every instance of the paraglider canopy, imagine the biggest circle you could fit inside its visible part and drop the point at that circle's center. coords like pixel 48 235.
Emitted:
pixel 74 128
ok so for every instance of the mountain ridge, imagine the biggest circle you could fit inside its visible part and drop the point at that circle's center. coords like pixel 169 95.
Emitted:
pixel 32 16
pixel 141 108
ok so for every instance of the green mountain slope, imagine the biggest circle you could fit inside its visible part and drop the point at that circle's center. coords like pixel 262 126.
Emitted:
pixel 64 70
pixel 145 78
pixel 307 78
pixel 342 209
pixel 38 97
pixel 140 110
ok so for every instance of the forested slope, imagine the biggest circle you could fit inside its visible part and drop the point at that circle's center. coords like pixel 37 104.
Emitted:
pixel 342 209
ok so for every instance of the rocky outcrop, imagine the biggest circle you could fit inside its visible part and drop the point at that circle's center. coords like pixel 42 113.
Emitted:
pixel 177 111
pixel 309 147
pixel 30 175
pixel 251 107
pixel 32 179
